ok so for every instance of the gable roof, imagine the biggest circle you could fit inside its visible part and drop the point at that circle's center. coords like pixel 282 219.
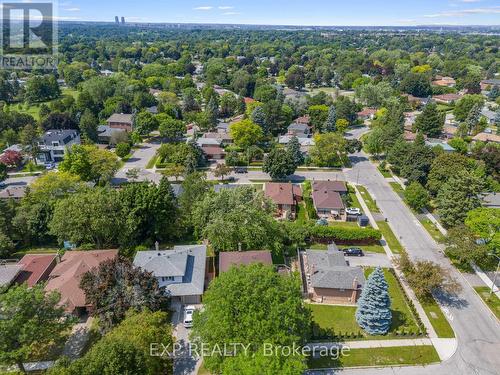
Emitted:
pixel 338 186
pixel 35 267
pixel 238 258
pixel 8 272
pixel 299 127
pixel 65 277
pixel 125 118
pixel 187 262
pixel 330 270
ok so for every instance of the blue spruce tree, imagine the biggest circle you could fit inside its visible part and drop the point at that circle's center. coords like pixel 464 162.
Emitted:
pixel 331 120
pixel 374 306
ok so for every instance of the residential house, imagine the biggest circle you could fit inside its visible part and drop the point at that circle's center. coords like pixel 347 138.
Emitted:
pixel 490 115
pixel 106 73
pixel 305 120
pixel 204 142
pixel 54 144
pixel 213 152
pixel 66 276
pixel 444 81
pixel 329 279
pixel 409 136
pixel 35 268
pixel 416 101
pixel 446 98
pixel 304 142
pixel 410 118
pixel 439 143
pixel 449 131
pixel 180 272
pixel 121 121
pixel 299 130
pixel 224 138
pixel 8 273
pixel 239 258
pixel 487 137
pixel 108 135
pixel 223 127
pixel 488 83
pixel 285 196
pixel 327 199
pixel 13 192
pixel 367 114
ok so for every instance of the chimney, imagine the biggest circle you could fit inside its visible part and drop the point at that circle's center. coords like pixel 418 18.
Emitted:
pixel 157 246
pixel 355 283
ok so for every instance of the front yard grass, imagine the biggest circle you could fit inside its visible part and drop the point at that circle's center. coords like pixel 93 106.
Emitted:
pixel 337 320
pixel 493 302
pixel 397 188
pixel 437 318
pixel 392 356
pixel 372 205
pixel 433 231
pixel 384 172
pixel 389 236
pixel 152 162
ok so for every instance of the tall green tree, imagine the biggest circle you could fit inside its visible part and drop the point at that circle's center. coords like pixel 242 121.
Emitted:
pixel 331 120
pixel 273 301
pixel 293 148
pixel 459 195
pixel 32 322
pixel 430 122
pixel 279 164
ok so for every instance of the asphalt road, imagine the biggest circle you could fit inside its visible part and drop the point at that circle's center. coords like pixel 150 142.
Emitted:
pixel 477 330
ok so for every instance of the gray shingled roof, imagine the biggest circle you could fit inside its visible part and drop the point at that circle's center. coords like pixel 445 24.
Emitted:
pixel 122 118
pixel 55 135
pixel 330 270
pixel 8 272
pixel 186 261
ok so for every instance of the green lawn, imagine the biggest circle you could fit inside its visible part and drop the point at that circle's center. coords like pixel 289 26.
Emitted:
pixel 152 162
pixel 397 188
pixel 340 320
pixel 301 213
pixel 493 302
pixel 354 201
pixel 433 231
pixel 437 318
pixel 344 224
pixel 372 205
pixel 393 356
pixel 389 236
pixel 384 172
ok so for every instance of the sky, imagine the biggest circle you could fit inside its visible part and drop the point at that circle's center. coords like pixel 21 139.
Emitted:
pixel 288 12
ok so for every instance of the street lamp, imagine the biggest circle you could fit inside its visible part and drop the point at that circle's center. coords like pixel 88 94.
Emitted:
pixel 496 273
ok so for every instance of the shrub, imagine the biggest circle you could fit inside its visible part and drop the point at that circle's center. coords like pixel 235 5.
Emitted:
pixel 122 149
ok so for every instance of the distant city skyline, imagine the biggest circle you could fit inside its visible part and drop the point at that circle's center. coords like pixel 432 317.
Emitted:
pixel 287 12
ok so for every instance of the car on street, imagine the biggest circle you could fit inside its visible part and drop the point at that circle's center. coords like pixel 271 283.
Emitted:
pixel 353 211
pixel 353 252
pixel 240 170
pixel 188 316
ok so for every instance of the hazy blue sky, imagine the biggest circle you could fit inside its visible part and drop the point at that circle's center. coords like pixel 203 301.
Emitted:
pixel 291 12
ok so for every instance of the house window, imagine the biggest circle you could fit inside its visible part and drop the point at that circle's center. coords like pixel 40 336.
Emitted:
pixel 55 144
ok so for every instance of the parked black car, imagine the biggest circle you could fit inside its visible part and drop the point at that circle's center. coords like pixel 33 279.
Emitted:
pixel 353 252
pixel 240 170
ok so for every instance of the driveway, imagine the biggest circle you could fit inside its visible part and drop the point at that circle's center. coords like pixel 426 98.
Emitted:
pixel 370 260
pixel 184 363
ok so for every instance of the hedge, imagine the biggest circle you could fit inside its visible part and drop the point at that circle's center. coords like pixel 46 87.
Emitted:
pixel 362 235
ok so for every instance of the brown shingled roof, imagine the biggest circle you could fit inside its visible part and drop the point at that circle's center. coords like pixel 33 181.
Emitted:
pixel 238 258
pixel 36 268
pixel 66 276
pixel 280 193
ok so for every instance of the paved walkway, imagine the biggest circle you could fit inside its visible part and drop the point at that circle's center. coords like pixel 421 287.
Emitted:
pixel 365 344
pixel 79 336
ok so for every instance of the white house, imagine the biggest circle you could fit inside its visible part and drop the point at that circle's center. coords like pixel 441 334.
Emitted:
pixel 180 272
pixel 55 143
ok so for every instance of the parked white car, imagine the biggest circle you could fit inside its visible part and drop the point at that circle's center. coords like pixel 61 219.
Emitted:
pixel 353 211
pixel 188 316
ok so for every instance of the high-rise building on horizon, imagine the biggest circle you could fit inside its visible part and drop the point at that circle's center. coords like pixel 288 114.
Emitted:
pixel 123 20
pixel 116 19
